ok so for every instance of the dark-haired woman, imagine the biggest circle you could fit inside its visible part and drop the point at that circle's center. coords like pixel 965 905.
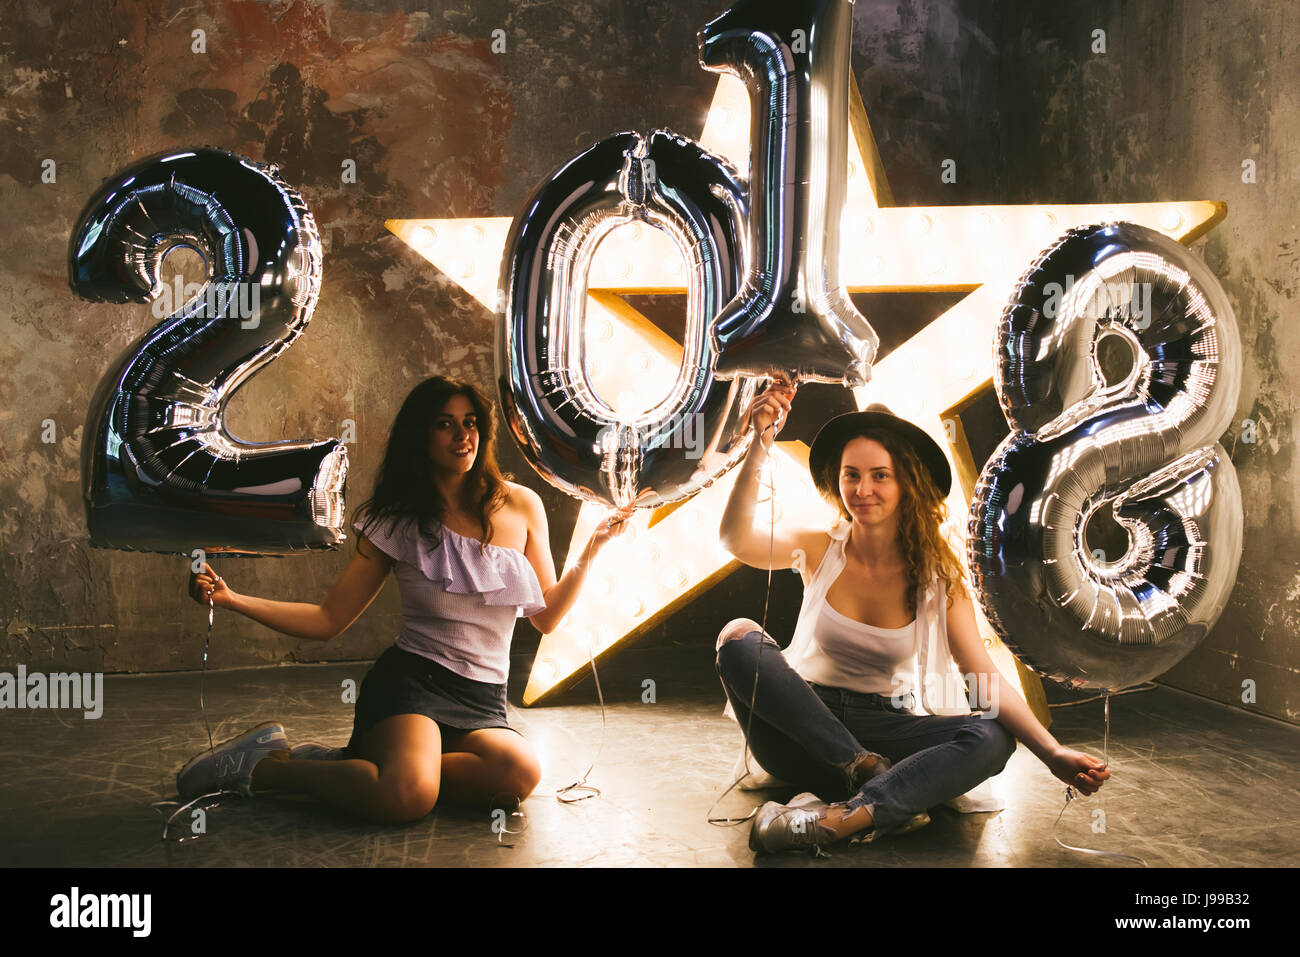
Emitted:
pixel 471 553
pixel 868 701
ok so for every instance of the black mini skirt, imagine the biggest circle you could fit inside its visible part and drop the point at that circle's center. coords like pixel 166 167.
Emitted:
pixel 402 682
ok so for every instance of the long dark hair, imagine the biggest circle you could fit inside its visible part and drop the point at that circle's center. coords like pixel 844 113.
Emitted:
pixel 404 488
pixel 921 514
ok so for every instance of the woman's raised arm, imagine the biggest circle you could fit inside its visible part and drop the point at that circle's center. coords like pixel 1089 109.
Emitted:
pixel 351 595
pixel 765 547
pixel 561 595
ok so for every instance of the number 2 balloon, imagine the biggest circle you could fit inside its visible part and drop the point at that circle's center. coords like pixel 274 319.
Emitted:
pixel 159 470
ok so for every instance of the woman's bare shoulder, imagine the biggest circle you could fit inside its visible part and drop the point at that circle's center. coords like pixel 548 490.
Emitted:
pixel 522 499
pixel 813 544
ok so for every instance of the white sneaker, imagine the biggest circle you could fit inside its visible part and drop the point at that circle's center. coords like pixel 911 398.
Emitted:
pixel 790 827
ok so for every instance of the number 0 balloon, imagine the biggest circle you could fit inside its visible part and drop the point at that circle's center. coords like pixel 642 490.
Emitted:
pixel 1146 445
pixel 159 470
pixel 569 434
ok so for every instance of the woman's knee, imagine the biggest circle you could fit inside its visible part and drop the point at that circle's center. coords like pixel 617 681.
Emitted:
pixel 521 775
pixel 997 744
pixel 509 764
pixel 736 628
pixel 407 795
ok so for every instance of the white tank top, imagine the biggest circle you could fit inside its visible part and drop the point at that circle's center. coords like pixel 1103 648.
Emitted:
pixel 848 654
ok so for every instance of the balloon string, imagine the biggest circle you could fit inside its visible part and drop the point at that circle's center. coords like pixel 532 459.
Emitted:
pixel 523 826
pixel 581 784
pixel 517 815
pixel 749 723
pixel 1105 738
pixel 212 798
pixel 1071 795
pixel 203 674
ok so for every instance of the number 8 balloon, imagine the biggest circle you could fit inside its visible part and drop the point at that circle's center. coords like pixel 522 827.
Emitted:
pixel 764 296
pixel 159 470
pixel 1146 444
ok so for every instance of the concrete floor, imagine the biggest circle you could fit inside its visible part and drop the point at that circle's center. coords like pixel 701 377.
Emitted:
pixel 1195 784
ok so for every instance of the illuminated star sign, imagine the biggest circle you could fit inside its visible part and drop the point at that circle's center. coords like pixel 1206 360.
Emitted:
pixel 671 556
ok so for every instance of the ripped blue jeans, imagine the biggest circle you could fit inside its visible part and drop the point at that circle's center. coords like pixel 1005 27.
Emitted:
pixel 806 734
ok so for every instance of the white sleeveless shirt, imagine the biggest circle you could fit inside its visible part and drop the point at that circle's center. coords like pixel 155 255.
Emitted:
pixel 847 653
pixel 938 684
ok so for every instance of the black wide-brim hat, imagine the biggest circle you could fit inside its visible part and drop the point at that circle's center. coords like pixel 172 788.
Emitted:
pixel 824 456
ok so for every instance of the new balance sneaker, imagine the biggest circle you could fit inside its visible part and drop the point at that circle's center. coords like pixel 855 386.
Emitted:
pixel 229 766
pixel 790 827
pixel 797 826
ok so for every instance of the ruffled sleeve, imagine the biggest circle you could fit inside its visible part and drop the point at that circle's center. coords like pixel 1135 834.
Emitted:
pixel 389 537
pixel 502 576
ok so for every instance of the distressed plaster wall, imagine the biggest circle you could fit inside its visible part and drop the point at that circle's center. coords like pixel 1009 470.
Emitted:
pixel 438 125
pixel 441 126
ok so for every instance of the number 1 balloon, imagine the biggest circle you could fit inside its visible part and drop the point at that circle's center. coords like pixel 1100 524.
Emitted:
pixel 793 317
pixel 159 470
pixel 1146 444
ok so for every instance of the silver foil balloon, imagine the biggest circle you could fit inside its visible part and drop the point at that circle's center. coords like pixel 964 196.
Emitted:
pixel 792 316
pixel 1145 443
pixel 566 430
pixel 159 470
pixel 765 299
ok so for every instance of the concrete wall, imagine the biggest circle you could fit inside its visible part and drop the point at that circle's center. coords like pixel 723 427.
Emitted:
pixel 441 126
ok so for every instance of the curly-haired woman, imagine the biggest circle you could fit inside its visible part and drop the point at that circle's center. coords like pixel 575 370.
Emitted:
pixel 471 553
pixel 868 701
